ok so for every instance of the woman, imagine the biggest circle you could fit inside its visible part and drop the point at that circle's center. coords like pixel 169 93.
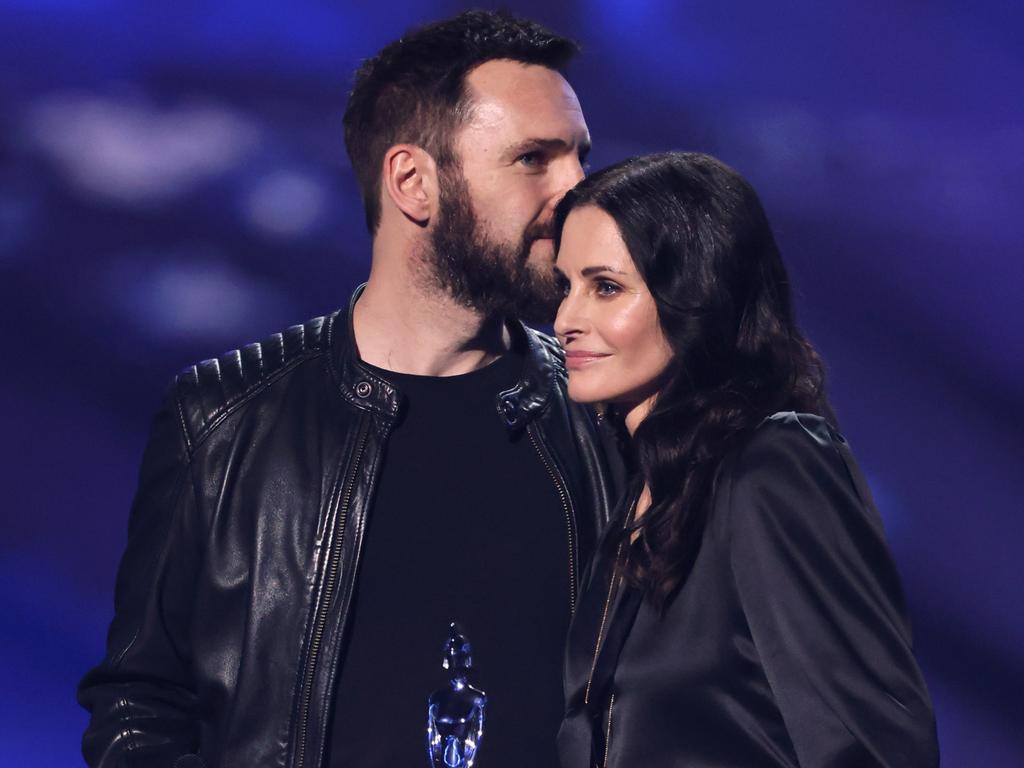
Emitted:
pixel 745 610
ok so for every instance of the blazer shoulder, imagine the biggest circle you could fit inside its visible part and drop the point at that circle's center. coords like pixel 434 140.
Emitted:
pixel 208 391
pixel 790 431
pixel 790 466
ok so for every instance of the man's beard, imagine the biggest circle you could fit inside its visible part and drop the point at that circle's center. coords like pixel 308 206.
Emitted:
pixel 493 278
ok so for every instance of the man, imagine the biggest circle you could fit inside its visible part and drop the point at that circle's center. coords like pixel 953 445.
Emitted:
pixel 314 510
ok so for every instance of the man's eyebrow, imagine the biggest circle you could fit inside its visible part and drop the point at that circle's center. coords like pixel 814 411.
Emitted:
pixel 549 145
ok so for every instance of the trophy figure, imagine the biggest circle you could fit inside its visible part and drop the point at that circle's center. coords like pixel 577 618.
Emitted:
pixel 455 713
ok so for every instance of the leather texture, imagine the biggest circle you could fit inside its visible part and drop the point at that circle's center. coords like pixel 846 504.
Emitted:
pixel 245 535
pixel 787 645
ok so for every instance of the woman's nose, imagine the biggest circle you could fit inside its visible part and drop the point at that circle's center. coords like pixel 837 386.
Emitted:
pixel 568 321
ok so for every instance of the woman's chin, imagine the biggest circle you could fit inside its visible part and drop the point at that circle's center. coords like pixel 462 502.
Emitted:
pixel 587 394
pixel 582 394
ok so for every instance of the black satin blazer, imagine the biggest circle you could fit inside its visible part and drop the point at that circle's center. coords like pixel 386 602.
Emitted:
pixel 788 644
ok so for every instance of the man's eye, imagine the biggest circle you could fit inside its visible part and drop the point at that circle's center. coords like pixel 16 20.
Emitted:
pixel 531 159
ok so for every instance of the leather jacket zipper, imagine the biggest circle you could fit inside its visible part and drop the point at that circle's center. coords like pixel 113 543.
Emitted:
pixel 563 494
pixel 608 732
pixel 330 583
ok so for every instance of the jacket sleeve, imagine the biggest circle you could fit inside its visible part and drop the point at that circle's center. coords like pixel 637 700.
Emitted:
pixel 141 696
pixel 822 599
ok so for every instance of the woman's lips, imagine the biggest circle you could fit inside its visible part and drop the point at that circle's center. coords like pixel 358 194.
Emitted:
pixel 579 358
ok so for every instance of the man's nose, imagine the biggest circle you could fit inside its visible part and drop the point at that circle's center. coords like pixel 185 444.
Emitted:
pixel 575 171
pixel 570 174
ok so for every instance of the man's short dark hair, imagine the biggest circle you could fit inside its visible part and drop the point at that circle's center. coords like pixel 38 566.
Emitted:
pixel 414 92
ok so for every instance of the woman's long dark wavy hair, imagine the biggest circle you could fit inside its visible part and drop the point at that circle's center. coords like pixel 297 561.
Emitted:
pixel 701 241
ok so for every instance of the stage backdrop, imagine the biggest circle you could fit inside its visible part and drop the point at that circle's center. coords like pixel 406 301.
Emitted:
pixel 173 184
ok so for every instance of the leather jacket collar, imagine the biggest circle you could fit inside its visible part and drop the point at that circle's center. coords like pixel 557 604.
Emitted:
pixel 517 405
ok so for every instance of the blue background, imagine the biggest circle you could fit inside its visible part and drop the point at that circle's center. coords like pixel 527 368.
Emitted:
pixel 173 184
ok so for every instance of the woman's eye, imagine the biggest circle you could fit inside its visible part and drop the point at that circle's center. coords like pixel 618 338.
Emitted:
pixel 605 288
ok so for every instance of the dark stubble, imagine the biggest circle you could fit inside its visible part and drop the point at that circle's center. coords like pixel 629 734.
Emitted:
pixel 493 278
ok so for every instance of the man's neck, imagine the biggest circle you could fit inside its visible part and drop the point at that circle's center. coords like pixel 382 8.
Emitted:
pixel 400 326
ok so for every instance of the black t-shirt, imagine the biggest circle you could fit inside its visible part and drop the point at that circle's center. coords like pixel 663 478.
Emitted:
pixel 466 525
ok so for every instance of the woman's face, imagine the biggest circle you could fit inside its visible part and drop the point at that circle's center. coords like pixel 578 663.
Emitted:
pixel 607 323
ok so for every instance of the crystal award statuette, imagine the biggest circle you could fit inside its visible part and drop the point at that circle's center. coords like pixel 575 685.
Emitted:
pixel 455 713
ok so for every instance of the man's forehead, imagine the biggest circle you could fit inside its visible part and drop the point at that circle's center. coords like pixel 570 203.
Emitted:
pixel 510 94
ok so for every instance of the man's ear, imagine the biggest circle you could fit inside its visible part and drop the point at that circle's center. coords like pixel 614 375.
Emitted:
pixel 410 182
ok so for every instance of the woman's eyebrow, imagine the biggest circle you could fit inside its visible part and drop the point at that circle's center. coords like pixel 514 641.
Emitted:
pixel 588 271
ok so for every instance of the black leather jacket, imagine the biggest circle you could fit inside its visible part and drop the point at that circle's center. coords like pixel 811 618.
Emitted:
pixel 245 535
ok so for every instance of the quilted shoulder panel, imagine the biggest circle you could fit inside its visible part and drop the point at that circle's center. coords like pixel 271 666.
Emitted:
pixel 209 390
